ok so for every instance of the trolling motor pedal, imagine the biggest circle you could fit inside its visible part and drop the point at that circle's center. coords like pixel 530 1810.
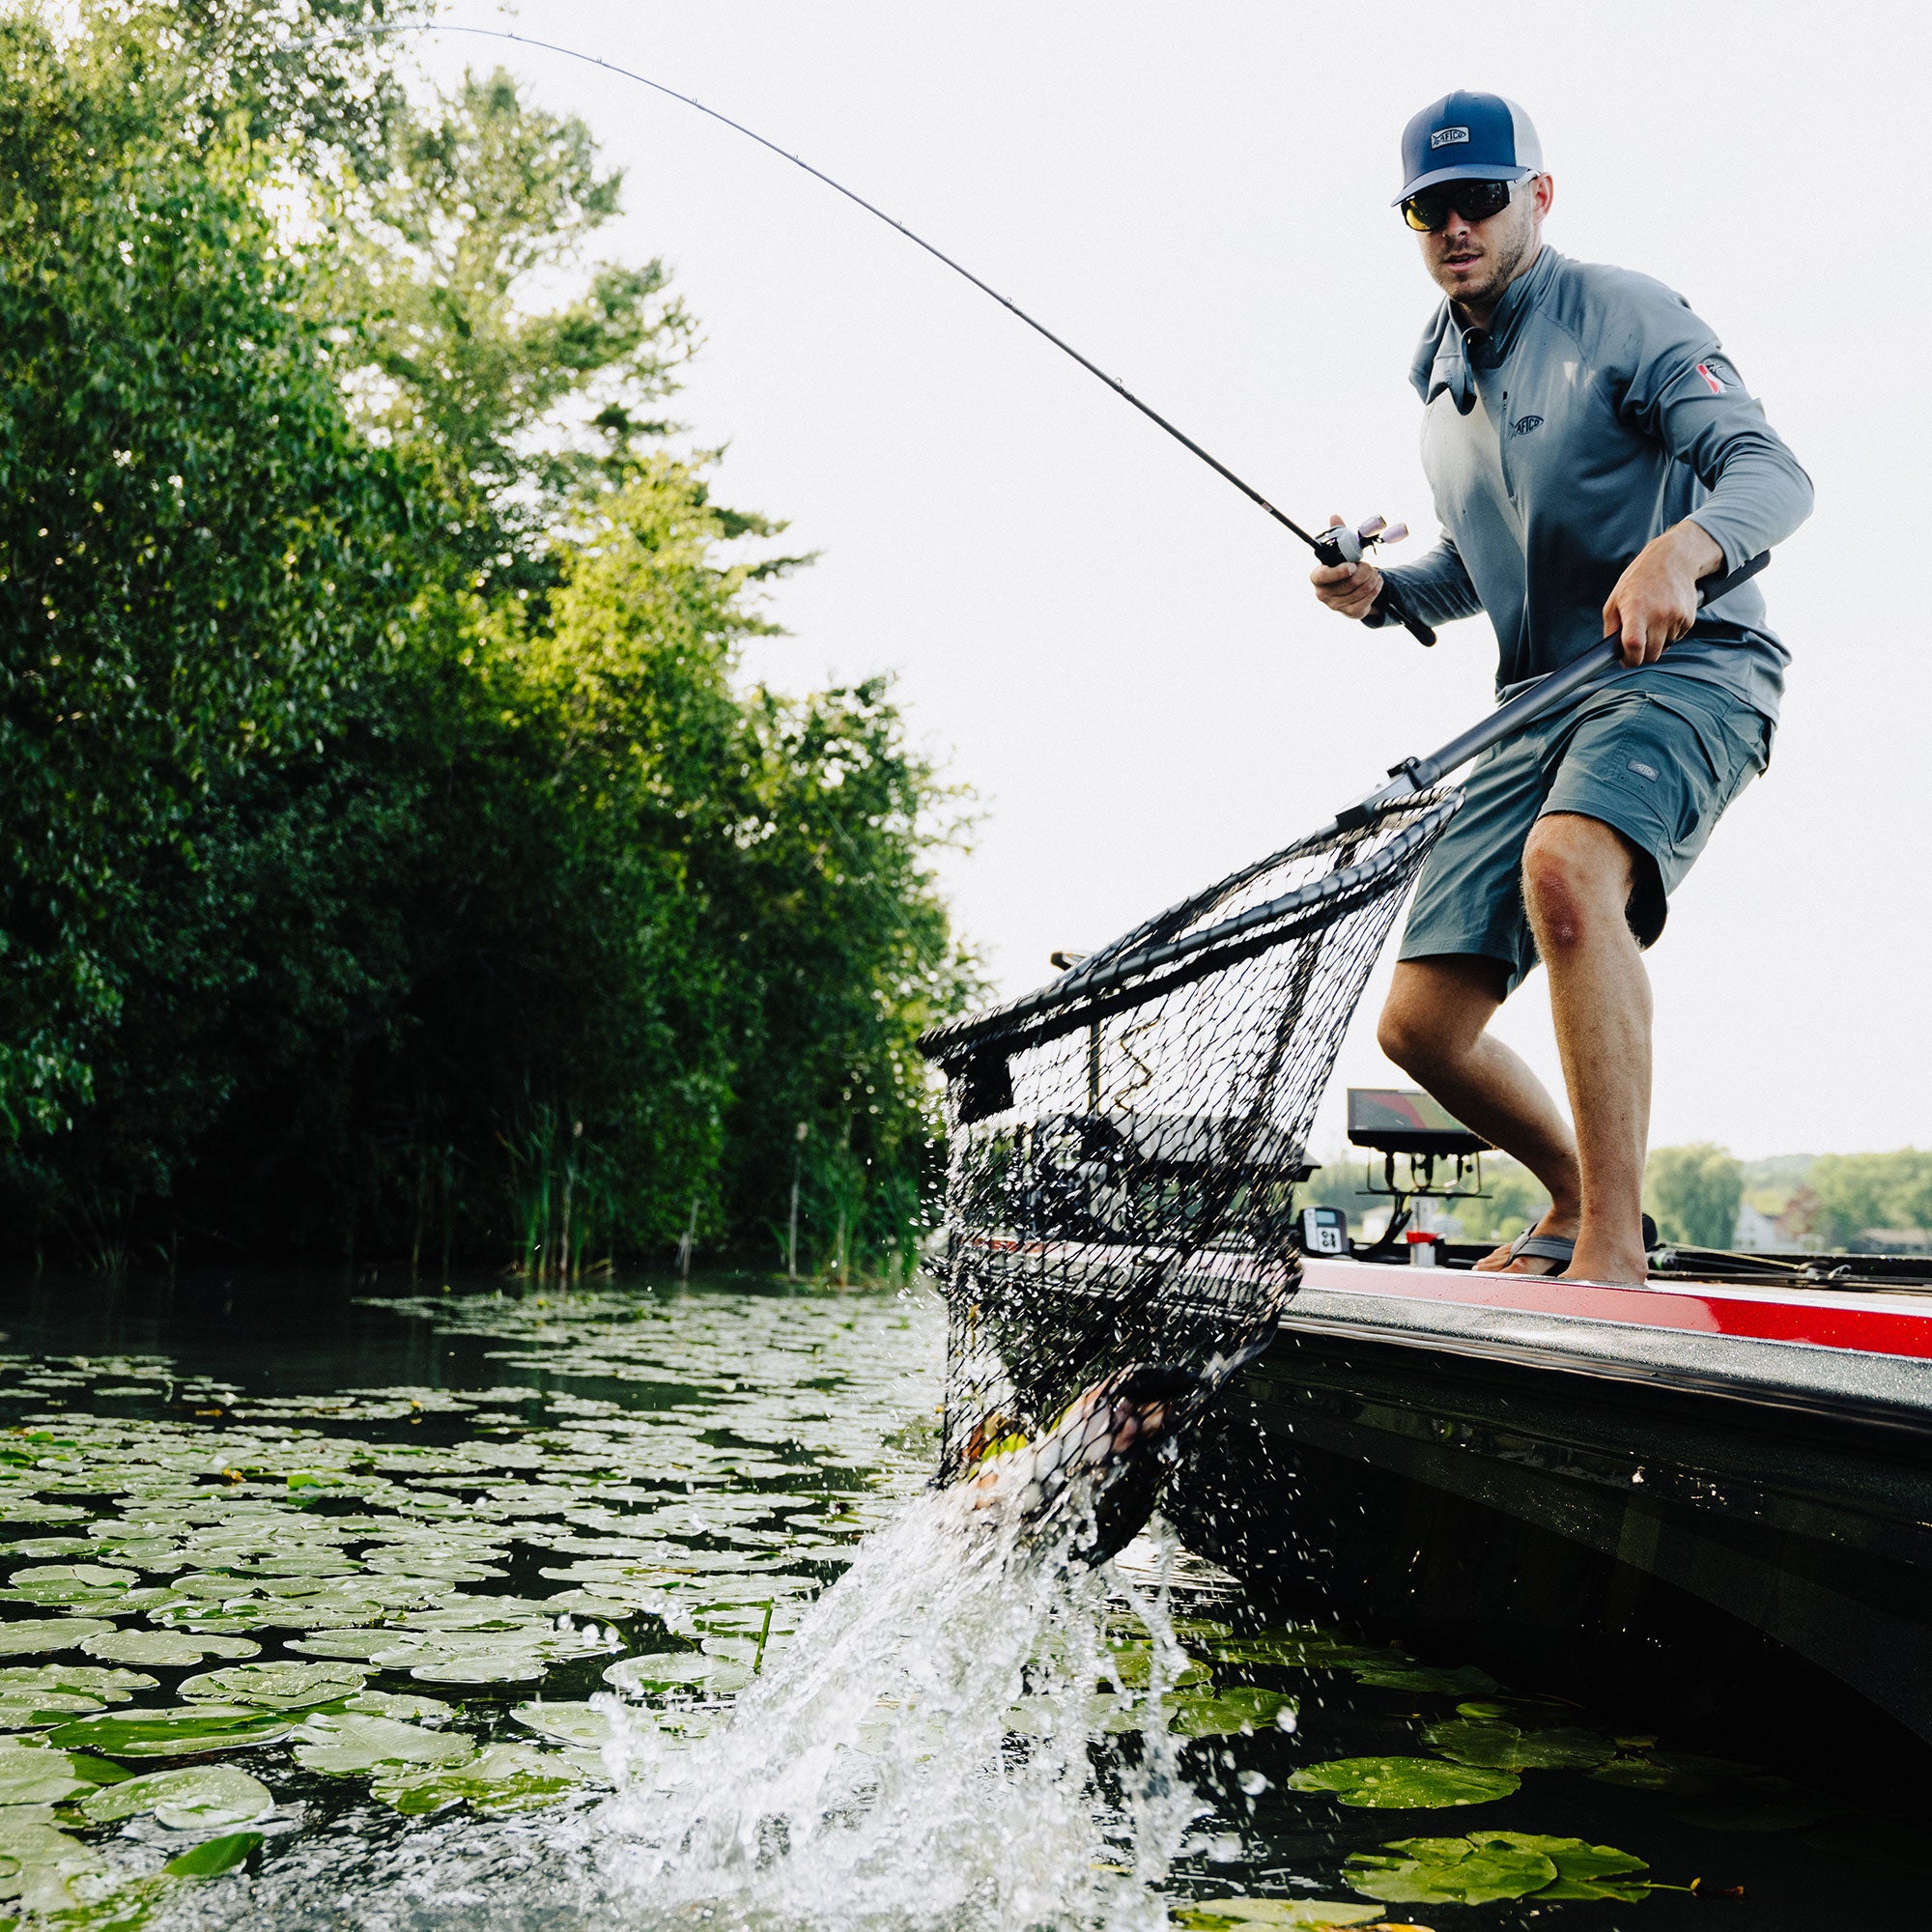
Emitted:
pixel 1339 544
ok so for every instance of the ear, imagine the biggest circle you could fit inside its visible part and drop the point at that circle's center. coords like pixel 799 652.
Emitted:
pixel 1544 193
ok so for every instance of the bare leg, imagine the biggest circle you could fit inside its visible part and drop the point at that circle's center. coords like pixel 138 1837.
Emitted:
pixel 1577 877
pixel 1434 1027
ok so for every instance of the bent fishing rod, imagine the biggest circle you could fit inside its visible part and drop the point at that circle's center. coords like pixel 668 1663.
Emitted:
pixel 1336 546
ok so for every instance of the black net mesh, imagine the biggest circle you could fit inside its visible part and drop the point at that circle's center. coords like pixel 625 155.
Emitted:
pixel 1125 1143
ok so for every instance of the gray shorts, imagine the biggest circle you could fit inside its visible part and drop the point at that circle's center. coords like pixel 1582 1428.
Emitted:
pixel 1656 754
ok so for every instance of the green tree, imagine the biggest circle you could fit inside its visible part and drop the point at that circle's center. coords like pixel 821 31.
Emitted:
pixel 1692 1193
pixel 1516 1201
pixel 524 410
pixel 401 863
pixel 1857 1191
pixel 199 557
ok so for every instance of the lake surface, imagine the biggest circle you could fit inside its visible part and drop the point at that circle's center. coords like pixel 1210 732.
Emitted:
pixel 625 1606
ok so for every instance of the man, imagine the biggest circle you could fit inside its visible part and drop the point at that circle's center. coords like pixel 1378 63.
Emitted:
pixel 1592 453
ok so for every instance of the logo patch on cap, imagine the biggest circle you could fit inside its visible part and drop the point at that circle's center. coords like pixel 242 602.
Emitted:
pixel 1447 137
pixel 1713 380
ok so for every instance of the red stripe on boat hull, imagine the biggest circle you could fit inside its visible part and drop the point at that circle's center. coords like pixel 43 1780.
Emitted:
pixel 1743 1314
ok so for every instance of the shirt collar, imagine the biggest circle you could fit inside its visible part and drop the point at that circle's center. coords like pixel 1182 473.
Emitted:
pixel 1444 356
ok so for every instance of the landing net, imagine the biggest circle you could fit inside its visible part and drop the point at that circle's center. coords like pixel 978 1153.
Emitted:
pixel 1125 1143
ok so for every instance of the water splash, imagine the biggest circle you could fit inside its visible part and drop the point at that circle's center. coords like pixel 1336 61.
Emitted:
pixel 921 1756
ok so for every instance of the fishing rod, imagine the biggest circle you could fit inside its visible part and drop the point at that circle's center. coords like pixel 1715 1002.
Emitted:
pixel 1338 545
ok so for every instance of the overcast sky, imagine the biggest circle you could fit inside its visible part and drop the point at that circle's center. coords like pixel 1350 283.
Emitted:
pixel 1119 654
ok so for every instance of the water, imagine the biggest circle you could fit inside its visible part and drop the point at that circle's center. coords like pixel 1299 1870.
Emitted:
pixel 627 1608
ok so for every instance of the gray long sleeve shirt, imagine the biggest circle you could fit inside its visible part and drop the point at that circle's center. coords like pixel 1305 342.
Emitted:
pixel 1594 412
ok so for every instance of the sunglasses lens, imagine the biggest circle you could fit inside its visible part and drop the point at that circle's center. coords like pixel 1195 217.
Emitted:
pixel 1473 200
pixel 1477 201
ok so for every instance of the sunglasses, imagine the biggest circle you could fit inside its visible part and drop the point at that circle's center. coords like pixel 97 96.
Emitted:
pixel 1428 213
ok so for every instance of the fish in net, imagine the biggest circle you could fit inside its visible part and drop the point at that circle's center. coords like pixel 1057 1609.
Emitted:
pixel 1124 1148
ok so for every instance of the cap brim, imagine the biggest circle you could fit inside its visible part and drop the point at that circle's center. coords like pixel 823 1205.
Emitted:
pixel 1467 173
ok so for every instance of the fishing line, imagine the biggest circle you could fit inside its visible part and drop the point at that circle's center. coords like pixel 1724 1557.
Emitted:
pixel 1351 543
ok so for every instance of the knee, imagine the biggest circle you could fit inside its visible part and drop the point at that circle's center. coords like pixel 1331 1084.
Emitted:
pixel 1575 875
pixel 1408 1038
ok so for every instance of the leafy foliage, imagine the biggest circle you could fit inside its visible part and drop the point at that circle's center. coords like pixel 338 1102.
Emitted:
pixel 399 861
pixel 1858 1191
pixel 1694 1192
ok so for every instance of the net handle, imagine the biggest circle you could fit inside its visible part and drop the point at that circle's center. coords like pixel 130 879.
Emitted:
pixel 1077 997
pixel 1415 775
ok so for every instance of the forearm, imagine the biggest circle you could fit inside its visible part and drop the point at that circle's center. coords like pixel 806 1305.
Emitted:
pixel 1436 588
pixel 1757 499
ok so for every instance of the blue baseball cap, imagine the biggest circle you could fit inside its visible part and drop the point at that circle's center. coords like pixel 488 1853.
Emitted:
pixel 1469 136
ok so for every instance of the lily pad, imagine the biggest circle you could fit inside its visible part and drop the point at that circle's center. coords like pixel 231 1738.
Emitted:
pixel 385 1649
pixel 104 1686
pixel 187 1800
pixel 1130 1666
pixel 38 1863
pixel 1476 1870
pixel 49 1706
pixel 276 1686
pixel 399 1704
pixel 82 1585
pixel 677 1671
pixel 1464 1681
pixel 1304 1650
pixel 581 1724
pixel 166 1648
pixel 185 1730
pixel 1404 1783
pixel 1237 1710
pixel 482 1663
pixel 1681 1773
pixel 1584 1870
pixel 32 1775
pixel 217 1856
pixel 499 1777
pixel 1526 1713
pixel 30 1637
pixel 350 1743
pixel 1488 1741
pixel 1295 1915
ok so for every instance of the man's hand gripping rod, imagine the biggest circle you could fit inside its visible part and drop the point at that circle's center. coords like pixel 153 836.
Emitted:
pixel 1415 775
pixel 1342 545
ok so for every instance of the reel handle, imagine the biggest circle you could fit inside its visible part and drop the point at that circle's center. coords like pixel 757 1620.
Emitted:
pixel 1340 544
pixel 1414 626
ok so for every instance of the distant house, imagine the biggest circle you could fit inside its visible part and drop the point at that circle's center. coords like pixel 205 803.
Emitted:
pixel 1895 1240
pixel 1792 1230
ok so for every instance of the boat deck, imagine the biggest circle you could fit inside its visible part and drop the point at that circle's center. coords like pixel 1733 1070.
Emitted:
pixel 1862 1354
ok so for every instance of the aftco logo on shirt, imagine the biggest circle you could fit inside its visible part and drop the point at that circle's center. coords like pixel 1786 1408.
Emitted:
pixel 1524 424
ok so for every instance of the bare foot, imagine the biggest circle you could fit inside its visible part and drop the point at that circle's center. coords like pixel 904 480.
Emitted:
pixel 1502 1261
pixel 1622 1266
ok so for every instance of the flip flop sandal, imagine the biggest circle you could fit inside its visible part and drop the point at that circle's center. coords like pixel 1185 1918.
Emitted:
pixel 1558 1248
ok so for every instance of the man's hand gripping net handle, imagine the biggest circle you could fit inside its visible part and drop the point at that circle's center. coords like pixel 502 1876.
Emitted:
pixel 1414 775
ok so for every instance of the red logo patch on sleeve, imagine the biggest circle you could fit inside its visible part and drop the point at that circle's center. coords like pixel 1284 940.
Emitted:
pixel 1712 380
